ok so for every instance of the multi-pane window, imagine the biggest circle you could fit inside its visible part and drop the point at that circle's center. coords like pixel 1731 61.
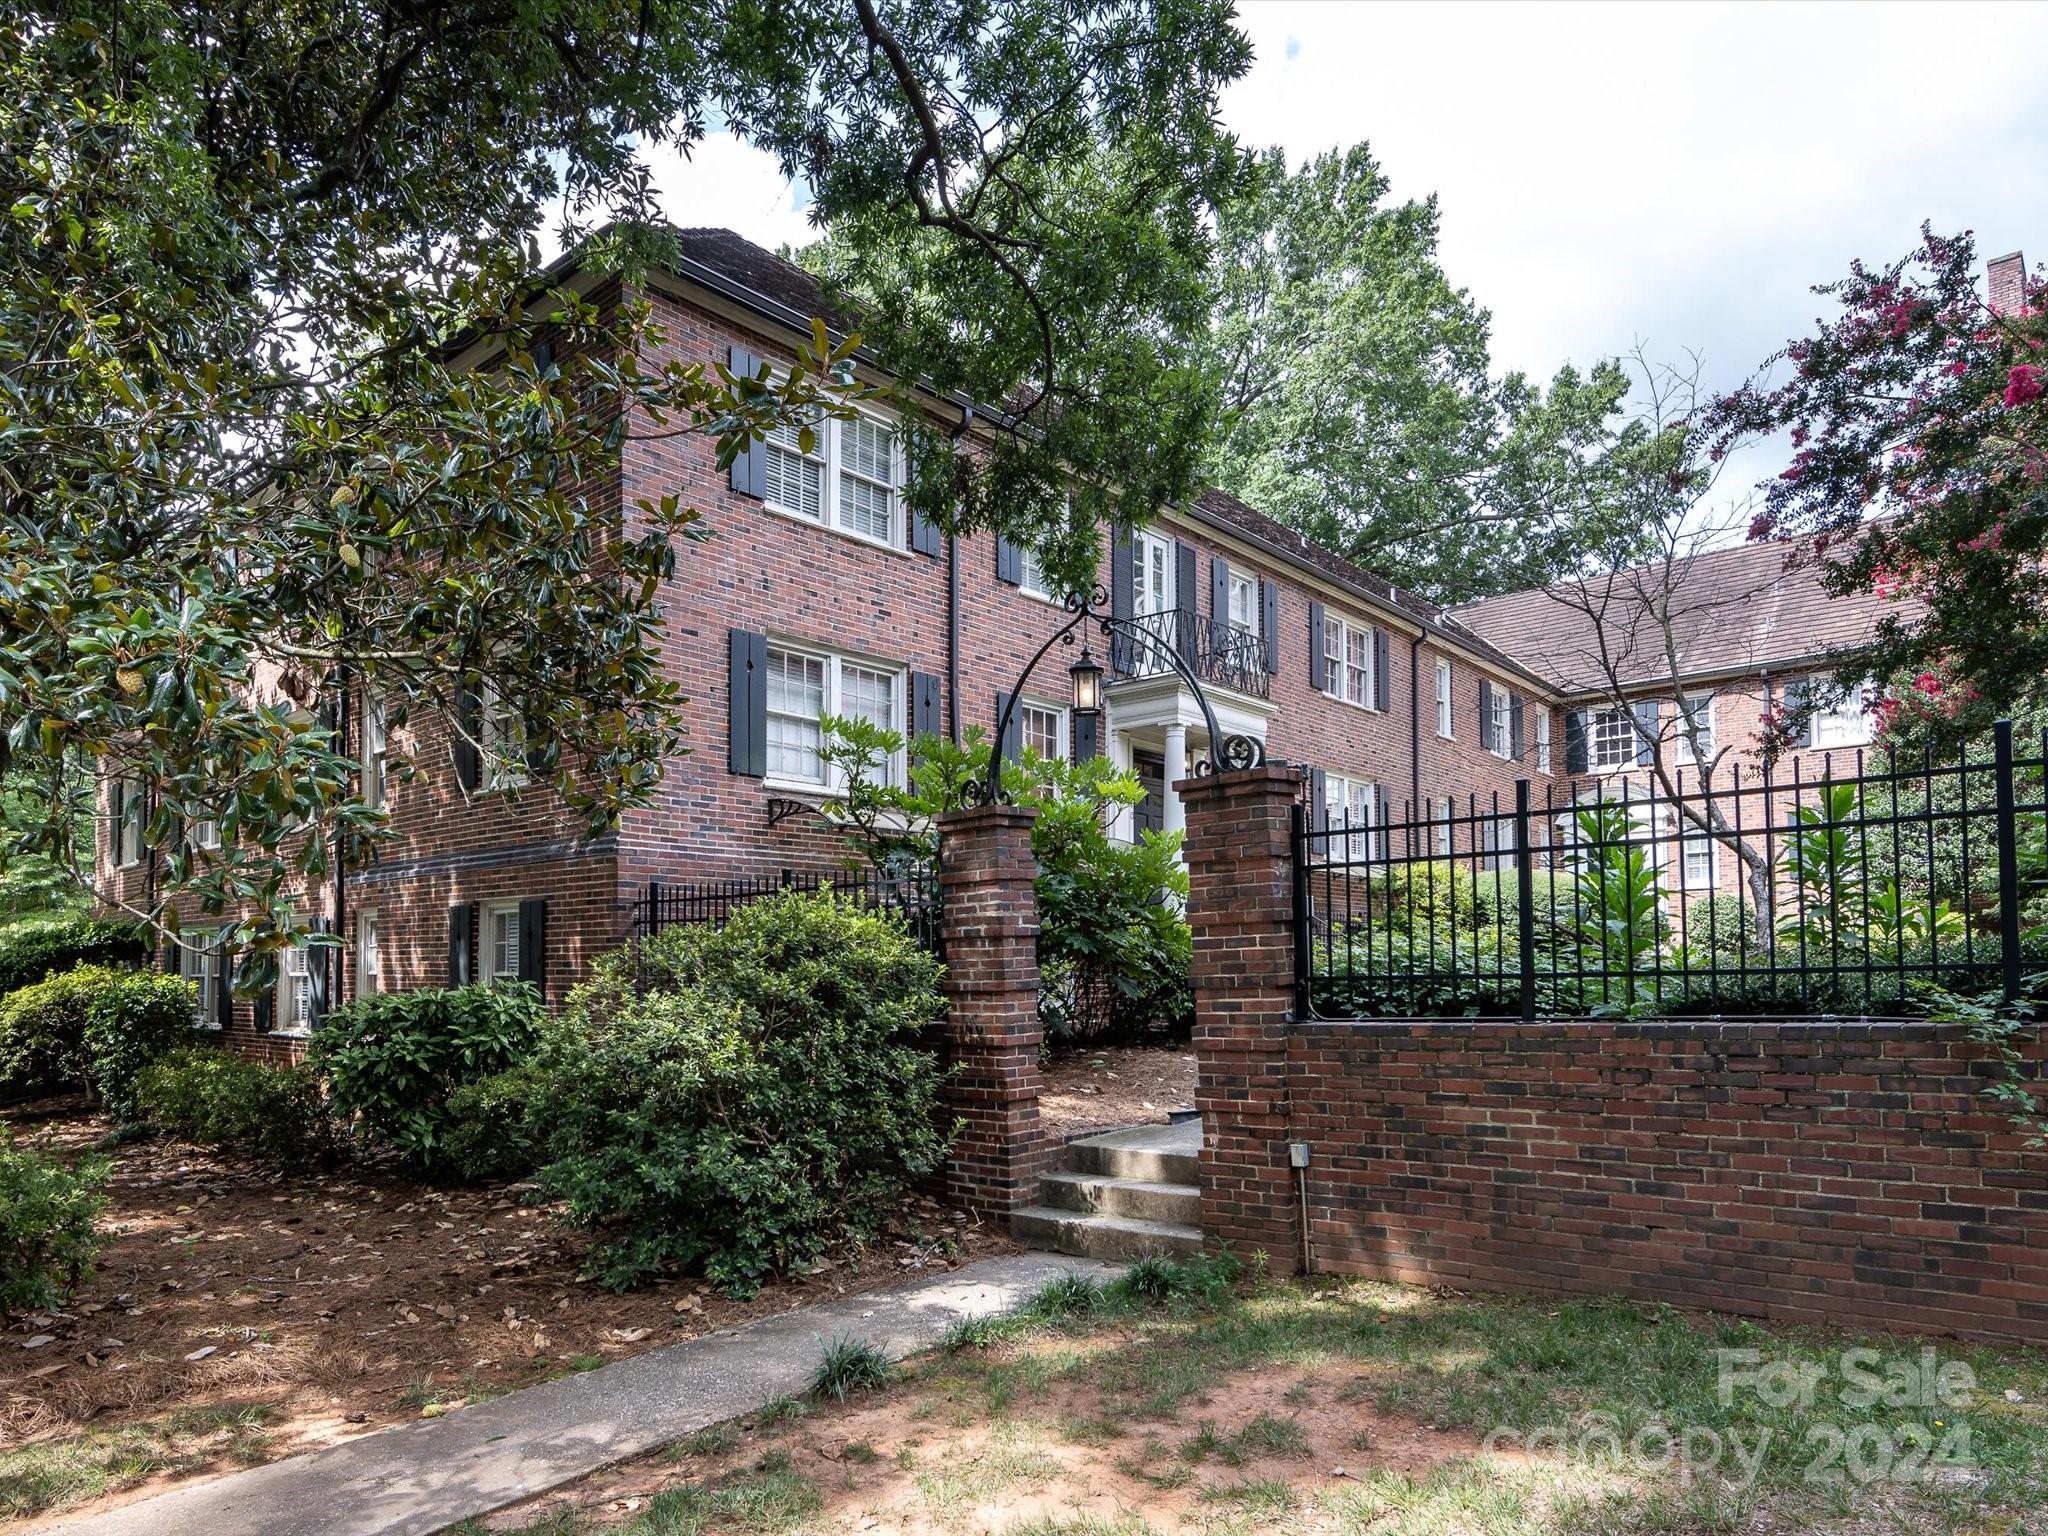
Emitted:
pixel 1347 654
pixel 1701 708
pixel 295 991
pixel 1044 730
pixel 374 749
pixel 1031 576
pixel 1446 811
pixel 369 955
pixel 205 833
pixel 1610 739
pixel 504 742
pixel 1843 723
pixel 1697 865
pixel 1500 723
pixel 500 948
pixel 849 480
pixel 1542 739
pixel 806 686
pixel 128 845
pixel 1244 604
pixel 1352 806
pixel 199 963
pixel 1443 698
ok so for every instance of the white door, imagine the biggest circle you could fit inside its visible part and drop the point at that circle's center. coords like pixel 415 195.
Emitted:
pixel 1152 603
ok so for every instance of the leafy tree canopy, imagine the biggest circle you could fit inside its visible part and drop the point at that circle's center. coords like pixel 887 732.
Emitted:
pixel 1357 399
pixel 252 259
pixel 1918 422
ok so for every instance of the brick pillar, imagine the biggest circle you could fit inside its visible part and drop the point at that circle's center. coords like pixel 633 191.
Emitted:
pixel 1240 904
pixel 986 874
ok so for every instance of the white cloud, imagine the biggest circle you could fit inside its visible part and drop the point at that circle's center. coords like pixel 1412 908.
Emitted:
pixel 724 183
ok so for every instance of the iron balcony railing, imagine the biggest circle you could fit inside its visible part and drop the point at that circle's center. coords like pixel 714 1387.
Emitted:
pixel 1230 658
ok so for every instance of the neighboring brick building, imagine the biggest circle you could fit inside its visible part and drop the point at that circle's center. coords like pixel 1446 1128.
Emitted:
pixel 815 593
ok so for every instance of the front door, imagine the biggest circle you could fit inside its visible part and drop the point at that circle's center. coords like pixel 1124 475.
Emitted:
pixel 1149 814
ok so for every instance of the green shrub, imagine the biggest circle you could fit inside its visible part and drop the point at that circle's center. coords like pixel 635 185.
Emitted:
pixel 42 946
pixel 250 1108
pixel 496 1126
pixel 47 1212
pixel 91 1027
pixel 393 1059
pixel 764 1095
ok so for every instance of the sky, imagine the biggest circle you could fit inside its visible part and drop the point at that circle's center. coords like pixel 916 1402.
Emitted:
pixel 1674 176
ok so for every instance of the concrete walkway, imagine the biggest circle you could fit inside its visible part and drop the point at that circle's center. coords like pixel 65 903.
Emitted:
pixel 426 1476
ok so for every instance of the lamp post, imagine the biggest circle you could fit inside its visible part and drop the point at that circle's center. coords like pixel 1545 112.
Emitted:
pixel 1086 672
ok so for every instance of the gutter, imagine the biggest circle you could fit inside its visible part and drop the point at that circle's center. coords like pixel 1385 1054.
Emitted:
pixel 953 602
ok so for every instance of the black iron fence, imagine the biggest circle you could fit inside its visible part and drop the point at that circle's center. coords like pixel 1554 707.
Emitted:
pixel 1852 890
pixel 912 897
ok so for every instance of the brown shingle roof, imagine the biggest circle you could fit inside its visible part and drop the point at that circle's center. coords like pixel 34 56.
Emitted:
pixel 1732 610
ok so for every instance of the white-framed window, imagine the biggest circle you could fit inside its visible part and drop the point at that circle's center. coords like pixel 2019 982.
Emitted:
pixel 128 826
pixel 374 749
pixel 1500 723
pixel 1353 805
pixel 1542 739
pixel 504 742
pixel 851 480
pixel 498 947
pixel 1445 813
pixel 1043 729
pixel 369 954
pixel 1348 658
pixel 1610 739
pixel 1443 698
pixel 1843 722
pixel 1031 578
pixel 1688 855
pixel 204 833
pixel 1244 604
pixel 1497 837
pixel 199 963
pixel 295 991
pixel 804 686
pixel 1701 707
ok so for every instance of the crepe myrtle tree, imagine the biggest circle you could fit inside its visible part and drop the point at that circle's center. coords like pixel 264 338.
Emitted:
pixel 292 412
pixel 1917 419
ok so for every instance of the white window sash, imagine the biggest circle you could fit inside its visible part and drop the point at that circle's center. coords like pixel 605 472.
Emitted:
pixel 828 471
pixel 1444 720
pixel 833 701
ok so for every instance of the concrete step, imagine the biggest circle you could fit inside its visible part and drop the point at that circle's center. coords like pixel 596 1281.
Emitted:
pixel 1098 1195
pixel 1157 1154
pixel 1101 1237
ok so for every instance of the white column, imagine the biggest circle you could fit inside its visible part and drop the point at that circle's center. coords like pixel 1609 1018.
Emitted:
pixel 1176 770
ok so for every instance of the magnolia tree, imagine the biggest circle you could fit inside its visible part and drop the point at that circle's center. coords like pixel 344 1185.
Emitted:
pixel 1918 425
pixel 291 412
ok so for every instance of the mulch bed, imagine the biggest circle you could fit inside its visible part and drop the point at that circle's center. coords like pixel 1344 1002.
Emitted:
pixel 1101 1090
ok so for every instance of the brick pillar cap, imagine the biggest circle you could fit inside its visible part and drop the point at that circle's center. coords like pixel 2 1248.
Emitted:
pixel 973 816
pixel 1240 778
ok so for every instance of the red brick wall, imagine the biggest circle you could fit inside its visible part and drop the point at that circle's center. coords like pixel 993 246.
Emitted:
pixel 1803 1171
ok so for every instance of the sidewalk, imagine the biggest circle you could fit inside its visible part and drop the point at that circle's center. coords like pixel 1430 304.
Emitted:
pixel 423 1477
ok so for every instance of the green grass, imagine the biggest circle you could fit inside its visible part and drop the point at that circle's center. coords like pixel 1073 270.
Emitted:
pixel 1008 1461
pixel 51 1474
pixel 850 1366
pixel 764 1500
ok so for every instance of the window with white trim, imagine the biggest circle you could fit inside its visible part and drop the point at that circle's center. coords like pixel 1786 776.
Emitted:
pixel 1043 729
pixel 1446 811
pixel 295 990
pixel 850 479
pixel 374 747
pixel 804 687
pixel 504 742
pixel 1353 805
pixel 369 954
pixel 1701 707
pixel 199 963
pixel 1031 577
pixel 128 844
pixel 1698 867
pixel 498 950
pixel 1500 723
pixel 1443 698
pixel 1610 739
pixel 1244 604
pixel 1542 739
pixel 205 833
pixel 1348 657
pixel 1842 723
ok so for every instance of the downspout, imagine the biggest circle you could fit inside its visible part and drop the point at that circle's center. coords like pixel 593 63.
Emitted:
pixel 953 605
pixel 1414 737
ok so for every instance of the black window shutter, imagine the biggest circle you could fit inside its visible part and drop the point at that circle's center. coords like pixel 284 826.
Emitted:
pixel 264 1010
pixel 533 943
pixel 1575 741
pixel 1515 737
pixel 1797 693
pixel 924 704
pixel 1123 577
pixel 1219 601
pixel 1269 622
pixel 1087 740
pixel 469 728
pixel 1318 671
pixel 750 464
pixel 319 957
pixel 461 923
pixel 169 961
pixel 1009 562
pixel 224 984
pixel 1184 581
pixel 1646 732
pixel 924 533
pixel 1382 664
pixel 1486 714
pixel 747 721
pixel 1012 746
pixel 117 804
pixel 1318 800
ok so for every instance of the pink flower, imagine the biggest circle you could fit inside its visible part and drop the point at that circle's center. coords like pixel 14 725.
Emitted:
pixel 1888 583
pixel 1928 684
pixel 2022 384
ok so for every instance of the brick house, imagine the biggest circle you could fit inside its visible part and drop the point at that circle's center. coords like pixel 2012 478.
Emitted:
pixel 818 593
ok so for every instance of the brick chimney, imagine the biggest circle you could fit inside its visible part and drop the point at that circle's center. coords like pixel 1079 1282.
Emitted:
pixel 2008 283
